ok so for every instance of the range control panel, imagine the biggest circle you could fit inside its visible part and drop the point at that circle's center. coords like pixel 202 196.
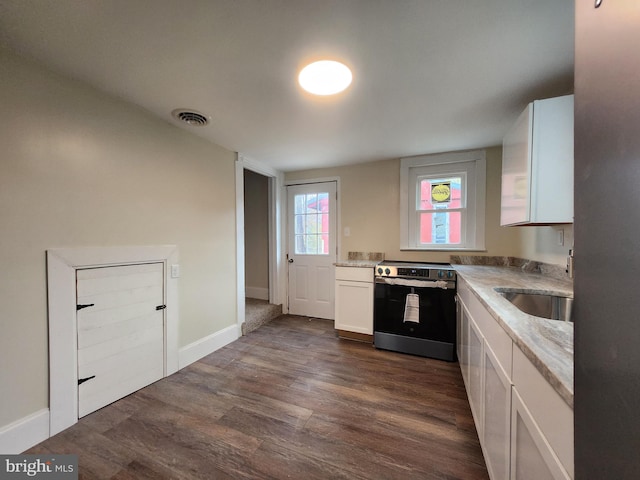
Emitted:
pixel 422 271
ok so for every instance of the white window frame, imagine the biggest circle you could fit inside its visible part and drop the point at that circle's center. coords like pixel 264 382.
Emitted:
pixel 470 165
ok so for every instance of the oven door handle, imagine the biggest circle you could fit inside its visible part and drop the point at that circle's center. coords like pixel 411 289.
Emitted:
pixel 406 282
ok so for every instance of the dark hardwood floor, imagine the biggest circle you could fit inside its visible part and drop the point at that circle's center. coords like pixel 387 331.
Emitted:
pixel 287 401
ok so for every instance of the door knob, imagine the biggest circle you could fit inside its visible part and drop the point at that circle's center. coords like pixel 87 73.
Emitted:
pixel 291 260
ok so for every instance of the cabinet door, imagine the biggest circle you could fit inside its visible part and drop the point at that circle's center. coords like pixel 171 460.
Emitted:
pixel 497 416
pixel 354 307
pixel 552 161
pixel 531 455
pixel 537 165
pixel 476 367
pixel 462 332
pixel 516 170
pixel 459 335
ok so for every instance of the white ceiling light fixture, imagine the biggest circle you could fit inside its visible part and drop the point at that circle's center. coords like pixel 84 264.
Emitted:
pixel 325 77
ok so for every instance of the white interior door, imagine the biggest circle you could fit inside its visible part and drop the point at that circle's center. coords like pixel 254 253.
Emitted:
pixel 120 332
pixel 312 248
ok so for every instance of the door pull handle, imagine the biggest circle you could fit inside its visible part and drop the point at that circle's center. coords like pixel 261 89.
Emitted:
pixel 82 380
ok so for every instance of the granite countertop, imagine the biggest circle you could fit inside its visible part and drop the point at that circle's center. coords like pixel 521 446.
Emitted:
pixel 548 344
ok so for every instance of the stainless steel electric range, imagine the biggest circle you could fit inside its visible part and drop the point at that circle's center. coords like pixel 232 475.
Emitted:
pixel 414 309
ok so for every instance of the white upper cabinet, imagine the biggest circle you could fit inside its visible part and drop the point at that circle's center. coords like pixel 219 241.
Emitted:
pixel 537 165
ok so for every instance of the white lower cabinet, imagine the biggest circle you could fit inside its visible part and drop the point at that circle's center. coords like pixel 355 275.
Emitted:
pixel 532 458
pixel 488 384
pixel 525 428
pixel 462 337
pixel 476 367
pixel 354 300
pixel 496 431
pixel 538 408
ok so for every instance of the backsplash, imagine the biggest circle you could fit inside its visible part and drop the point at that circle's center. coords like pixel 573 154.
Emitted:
pixel 528 266
pixel 366 256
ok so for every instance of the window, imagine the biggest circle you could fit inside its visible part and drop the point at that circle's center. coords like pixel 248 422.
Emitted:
pixel 442 201
pixel 311 217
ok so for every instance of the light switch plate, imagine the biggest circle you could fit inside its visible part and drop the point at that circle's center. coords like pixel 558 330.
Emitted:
pixel 175 271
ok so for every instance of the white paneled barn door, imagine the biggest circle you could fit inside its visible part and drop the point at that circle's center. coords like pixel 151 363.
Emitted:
pixel 121 332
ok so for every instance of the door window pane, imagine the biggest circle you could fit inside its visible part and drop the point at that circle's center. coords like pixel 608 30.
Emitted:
pixel 311 203
pixel 323 202
pixel 311 224
pixel 311 219
pixel 301 246
pixel 299 204
pixel 324 223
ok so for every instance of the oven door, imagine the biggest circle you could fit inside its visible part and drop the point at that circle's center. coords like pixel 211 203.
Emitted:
pixel 415 316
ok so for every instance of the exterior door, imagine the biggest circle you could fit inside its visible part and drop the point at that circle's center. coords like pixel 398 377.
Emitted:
pixel 120 320
pixel 312 248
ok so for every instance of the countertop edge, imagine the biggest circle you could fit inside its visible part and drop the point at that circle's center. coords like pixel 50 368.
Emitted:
pixel 548 356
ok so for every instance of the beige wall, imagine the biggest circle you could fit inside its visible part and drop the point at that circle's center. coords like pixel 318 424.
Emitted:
pixel 541 243
pixel 370 205
pixel 79 168
pixel 256 230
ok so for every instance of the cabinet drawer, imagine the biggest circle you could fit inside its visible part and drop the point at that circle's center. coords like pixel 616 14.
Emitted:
pixel 463 291
pixel 491 330
pixel 355 274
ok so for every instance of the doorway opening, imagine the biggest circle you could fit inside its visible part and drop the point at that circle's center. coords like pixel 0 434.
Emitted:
pixel 257 238
pixel 258 198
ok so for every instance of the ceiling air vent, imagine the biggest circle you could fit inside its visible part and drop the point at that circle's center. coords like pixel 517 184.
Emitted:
pixel 190 117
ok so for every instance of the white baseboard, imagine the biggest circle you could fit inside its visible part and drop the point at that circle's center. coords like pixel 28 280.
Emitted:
pixel 209 344
pixel 23 434
pixel 26 432
pixel 257 292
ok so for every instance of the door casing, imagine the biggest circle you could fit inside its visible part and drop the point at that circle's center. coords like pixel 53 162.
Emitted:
pixel 284 208
pixel 61 289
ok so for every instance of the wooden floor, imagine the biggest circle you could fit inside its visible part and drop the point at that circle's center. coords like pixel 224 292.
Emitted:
pixel 287 401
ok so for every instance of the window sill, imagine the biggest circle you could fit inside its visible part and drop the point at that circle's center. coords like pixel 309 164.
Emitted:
pixel 443 249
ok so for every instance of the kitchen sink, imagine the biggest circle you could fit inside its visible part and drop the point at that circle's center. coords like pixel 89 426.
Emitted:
pixel 545 305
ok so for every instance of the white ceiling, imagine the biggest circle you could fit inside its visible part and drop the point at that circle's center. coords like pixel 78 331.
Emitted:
pixel 429 75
